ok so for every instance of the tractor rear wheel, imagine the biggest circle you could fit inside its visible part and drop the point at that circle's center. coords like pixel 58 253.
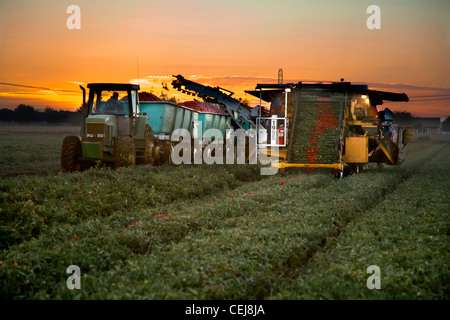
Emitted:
pixel 125 153
pixel 70 154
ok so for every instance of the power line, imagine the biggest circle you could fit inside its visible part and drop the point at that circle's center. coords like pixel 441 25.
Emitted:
pixel 430 99
pixel 431 96
pixel 421 100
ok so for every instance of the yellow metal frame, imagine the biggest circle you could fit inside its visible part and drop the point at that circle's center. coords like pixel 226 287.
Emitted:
pixel 281 154
pixel 356 149
pixel 386 152
pixel 337 166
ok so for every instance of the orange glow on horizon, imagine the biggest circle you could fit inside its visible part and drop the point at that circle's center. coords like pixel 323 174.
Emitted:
pixel 210 41
pixel 237 84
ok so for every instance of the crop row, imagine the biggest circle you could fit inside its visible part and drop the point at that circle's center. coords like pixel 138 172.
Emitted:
pixel 243 242
pixel 30 205
pixel 405 235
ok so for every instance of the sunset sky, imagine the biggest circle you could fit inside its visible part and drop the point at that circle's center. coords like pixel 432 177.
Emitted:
pixel 234 44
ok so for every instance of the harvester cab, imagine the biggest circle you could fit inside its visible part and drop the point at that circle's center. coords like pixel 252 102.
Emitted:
pixel 113 130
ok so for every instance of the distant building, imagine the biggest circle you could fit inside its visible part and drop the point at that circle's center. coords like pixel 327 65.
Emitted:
pixel 423 127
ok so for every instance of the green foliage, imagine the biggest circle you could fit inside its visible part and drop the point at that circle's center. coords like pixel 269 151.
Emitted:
pixel 29 205
pixel 403 115
pixel 406 235
pixel 226 232
pixel 445 126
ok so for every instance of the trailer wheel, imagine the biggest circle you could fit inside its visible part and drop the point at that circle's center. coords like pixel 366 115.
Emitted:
pixel 157 157
pixel 149 140
pixel 70 154
pixel 124 155
pixel 169 156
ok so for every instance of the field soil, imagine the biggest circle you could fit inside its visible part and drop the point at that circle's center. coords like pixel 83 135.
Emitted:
pixel 32 149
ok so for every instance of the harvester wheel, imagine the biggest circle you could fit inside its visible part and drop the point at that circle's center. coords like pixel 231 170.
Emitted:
pixel 361 167
pixel 339 174
pixel 125 153
pixel 70 154
pixel 351 168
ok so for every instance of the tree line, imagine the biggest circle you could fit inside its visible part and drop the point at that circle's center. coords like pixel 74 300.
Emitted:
pixel 27 114
pixel 24 113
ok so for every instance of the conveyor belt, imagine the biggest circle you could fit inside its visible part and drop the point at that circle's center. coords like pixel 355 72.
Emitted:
pixel 316 129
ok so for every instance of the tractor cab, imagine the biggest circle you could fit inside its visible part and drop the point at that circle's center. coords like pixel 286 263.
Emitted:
pixel 113 101
pixel 113 98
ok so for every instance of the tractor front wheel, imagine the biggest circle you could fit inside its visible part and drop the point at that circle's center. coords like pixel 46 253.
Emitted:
pixel 70 154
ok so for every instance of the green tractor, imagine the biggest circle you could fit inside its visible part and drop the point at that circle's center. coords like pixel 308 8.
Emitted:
pixel 113 131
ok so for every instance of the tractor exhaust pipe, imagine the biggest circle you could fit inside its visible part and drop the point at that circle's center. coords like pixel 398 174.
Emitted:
pixel 84 95
pixel 84 113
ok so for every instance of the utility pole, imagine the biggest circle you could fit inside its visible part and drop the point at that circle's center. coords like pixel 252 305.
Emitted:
pixel 280 76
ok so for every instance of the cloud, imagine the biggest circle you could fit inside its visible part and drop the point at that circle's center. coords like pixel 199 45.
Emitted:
pixel 404 86
pixel 21 93
pixel 75 82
